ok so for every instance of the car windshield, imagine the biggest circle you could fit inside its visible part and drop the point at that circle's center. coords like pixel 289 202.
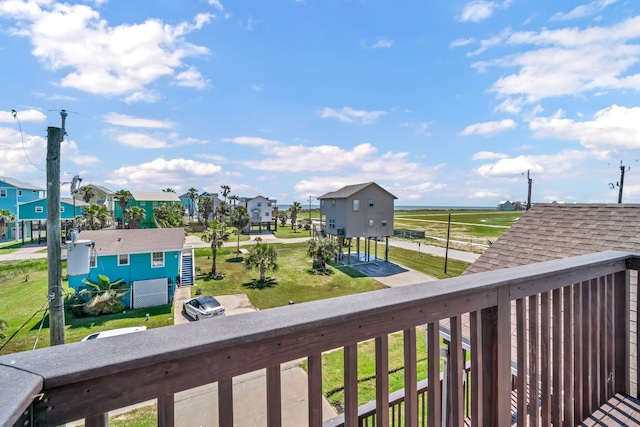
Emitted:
pixel 209 303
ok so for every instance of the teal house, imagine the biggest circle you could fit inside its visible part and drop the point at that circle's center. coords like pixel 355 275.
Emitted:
pixel 149 260
pixel 33 216
pixel 147 200
pixel 12 193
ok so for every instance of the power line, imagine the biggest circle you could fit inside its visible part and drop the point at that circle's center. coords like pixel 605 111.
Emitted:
pixel 24 149
pixel 24 324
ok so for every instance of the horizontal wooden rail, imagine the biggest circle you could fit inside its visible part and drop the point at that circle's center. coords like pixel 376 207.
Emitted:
pixel 57 383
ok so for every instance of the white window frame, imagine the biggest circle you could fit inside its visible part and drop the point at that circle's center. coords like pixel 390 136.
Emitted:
pixel 370 223
pixel 383 223
pixel 39 209
pixel 19 192
pixel 371 203
pixel 259 204
pixel 61 209
pixel 333 202
pixel 332 223
pixel 356 205
pixel 3 192
pixel 157 263
pixel 122 262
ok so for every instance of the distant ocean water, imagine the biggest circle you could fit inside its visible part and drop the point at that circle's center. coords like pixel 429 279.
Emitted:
pixel 412 208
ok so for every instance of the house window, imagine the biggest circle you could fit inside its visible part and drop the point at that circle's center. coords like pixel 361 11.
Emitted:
pixel 19 192
pixel 333 202
pixel 3 192
pixel 259 204
pixel 332 223
pixel 123 259
pixel 266 214
pixel 143 203
pixel 61 209
pixel 371 203
pixel 370 223
pixel 322 202
pixel 39 209
pixel 157 259
pixel 268 203
pixel 383 223
pixel 356 205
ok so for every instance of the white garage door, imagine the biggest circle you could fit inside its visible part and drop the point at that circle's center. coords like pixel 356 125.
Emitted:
pixel 150 293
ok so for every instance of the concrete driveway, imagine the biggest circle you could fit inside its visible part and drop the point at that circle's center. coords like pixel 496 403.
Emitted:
pixel 233 304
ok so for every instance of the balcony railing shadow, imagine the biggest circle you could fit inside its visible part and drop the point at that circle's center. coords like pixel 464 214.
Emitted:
pixel 567 324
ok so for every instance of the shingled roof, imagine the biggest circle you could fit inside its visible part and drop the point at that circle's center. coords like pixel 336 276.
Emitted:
pixel 554 231
pixel 110 242
pixel 350 190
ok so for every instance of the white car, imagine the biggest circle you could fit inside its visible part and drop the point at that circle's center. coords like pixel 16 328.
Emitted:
pixel 114 332
pixel 204 307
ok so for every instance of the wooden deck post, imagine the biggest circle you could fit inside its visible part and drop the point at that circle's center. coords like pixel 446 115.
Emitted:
pixel 496 361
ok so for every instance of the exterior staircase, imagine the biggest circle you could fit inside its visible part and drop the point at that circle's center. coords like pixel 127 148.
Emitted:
pixel 187 271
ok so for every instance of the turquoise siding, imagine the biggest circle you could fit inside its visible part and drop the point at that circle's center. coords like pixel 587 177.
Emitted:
pixel 10 198
pixel 37 210
pixel 149 221
pixel 139 268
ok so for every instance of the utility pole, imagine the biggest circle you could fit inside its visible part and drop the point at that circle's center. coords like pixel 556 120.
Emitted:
pixel 54 239
pixel 310 227
pixel 529 182
pixel 622 169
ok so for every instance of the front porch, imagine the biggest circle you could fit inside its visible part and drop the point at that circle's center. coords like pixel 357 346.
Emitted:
pixel 574 335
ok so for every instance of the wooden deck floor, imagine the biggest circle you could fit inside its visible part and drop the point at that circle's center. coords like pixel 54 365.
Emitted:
pixel 620 410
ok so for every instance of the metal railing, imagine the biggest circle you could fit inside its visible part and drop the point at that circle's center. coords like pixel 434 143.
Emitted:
pixel 571 320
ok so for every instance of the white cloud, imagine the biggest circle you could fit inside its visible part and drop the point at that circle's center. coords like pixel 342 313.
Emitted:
pixel 382 43
pixel 349 115
pixel 216 4
pixel 257 87
pixel 552 165
pixel 488 128
pixel 24 116
pixel 485 193
pixel 611 129
pixel 566 61
pixel 21 153
pixel 192 78
pixel 252 141
pixel 477 11
pixel 131 121
pixel 97 58
pixel 461 42
pixel 583 10
pixel 488 155
pixel 510 105
pixel 140 140
pixel 69 151
pixel 162 173
pixel 420 128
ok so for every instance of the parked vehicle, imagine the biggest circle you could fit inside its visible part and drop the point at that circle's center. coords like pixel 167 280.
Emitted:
pixel 203 307
pixel 114 332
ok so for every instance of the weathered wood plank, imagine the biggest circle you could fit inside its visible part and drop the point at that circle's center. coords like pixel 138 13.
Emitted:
pixel 314 378
pixel 274 396
pixel 351 385
pixel 410 378
pixel 578 345
pixel 382 381
pixel 610 337
pixel 567 351
pixel 477 378
pixel 17 391
pixel 456 363
pixel 586 349
pixel 521 360
pixel 594 365
pixel 621 331
pixel 602 339
pixel 166 411
pixel 558 387
pixel 434 393
pixel 534 391
pixel 225 403
pixel 545 358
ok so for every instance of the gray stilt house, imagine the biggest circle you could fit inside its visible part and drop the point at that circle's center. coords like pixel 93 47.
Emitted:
pixel 363 212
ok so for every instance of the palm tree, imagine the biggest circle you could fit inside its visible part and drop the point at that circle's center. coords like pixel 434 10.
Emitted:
pixel 88 193
pixel 169 190
pixel 205 207
pixel 104 295
pixel 321 250
pixel 169 215
pixel 216 234
pixel 264 258
pixel 239 220
pixel 225 191
pixel 103 216
pixel 135 214
pixel 92 212
pixel 193 194
pixel 123 197
pixel 294 209
pixel 222 210
pixel 234 199
pixel 283 217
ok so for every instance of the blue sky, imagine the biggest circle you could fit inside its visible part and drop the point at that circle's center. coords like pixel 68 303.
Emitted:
pixel 441 102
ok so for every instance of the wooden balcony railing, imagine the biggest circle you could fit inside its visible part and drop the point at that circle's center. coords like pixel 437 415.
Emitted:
pixel 567 324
